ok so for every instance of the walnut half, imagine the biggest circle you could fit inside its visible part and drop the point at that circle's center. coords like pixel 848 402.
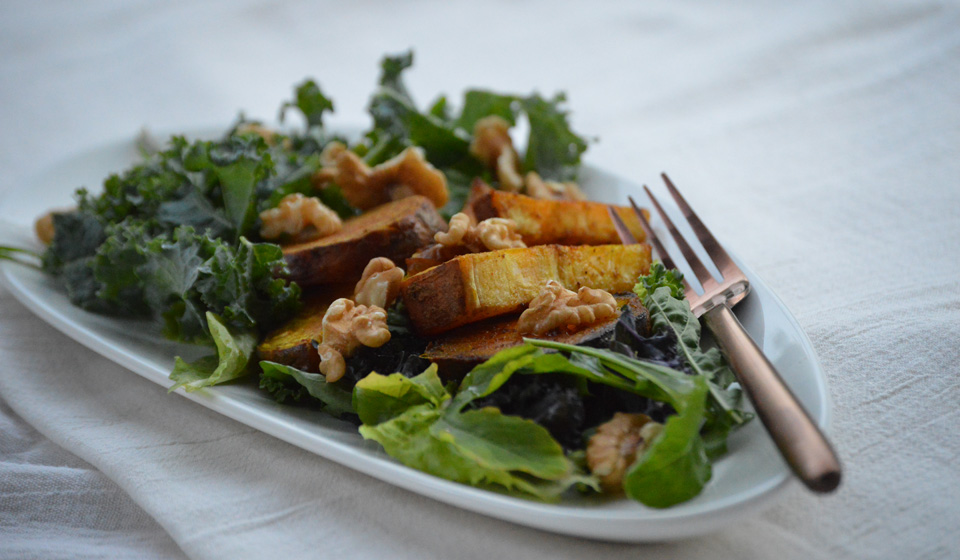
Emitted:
pixel 551 190
pixel 345 327
pixel 305 218
pixel 492 145
pixel 409 173
pixel 557 307
pixel 491 234
pixel 617 444
pixel 380 284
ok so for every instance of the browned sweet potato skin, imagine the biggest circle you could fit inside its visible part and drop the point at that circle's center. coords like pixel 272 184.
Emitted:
pixel 394 230
pixel 477 286
pixel 456 351
pixel 292 343
pixel 542 222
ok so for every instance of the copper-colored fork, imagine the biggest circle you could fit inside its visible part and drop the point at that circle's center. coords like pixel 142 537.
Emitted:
pixel 800 441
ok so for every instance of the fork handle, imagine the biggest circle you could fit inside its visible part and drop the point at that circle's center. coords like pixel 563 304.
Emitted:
pixel 801 442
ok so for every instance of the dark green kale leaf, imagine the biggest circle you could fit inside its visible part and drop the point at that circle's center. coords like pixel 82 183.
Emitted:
pixel 76 235
pixel 292 174
pixel 660 276
pixel 311 102
pixel 241 286
pixel 196 211
pixel 478 104
pixel 391 71
pixel 238 164
pixel 553 150
pixel 398 123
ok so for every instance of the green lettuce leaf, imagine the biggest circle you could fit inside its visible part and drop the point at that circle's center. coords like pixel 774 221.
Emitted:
pixel 335 399
pixel 233 355
pixel 415 422
pixel 379 398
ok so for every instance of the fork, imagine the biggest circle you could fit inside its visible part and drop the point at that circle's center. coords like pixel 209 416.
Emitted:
pixel 802 444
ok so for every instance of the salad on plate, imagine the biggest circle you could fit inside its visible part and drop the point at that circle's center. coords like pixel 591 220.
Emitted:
pixel 456 297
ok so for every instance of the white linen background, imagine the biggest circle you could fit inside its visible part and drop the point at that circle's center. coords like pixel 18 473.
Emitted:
pixel 820 140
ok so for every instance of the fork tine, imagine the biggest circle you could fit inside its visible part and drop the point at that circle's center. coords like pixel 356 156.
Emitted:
pixel 713 248
pixel 626 236
pixel 699 270
pixel 655 241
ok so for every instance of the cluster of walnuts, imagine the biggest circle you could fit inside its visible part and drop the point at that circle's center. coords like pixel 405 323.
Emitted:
pixel 350 323
pixel 491 234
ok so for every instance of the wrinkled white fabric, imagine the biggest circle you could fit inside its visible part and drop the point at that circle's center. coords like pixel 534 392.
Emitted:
pixel 820 140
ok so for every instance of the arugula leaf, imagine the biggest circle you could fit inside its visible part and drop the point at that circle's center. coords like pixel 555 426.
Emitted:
pixel 311 102
pixel 15 254
pixel 397 115
pixel 674 468
pixel 663 292
pixel 335 399
pixel 413 422
pixel 233 354
pixel 669 313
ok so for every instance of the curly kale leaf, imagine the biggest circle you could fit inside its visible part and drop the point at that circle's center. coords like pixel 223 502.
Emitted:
pixel 553 150
pixel 479 103
pixel 239 164
pixel 176 278
pixel 391 71
pixel 311 102
pixel 76 236
pixel 660 276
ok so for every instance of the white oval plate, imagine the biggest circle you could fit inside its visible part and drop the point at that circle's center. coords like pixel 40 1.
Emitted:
pixel 744 481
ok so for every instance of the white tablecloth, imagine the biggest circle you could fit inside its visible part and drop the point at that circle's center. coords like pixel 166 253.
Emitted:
pixel 821 140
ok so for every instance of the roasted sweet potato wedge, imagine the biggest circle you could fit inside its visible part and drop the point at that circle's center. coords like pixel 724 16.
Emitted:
pixel 542 222
pixel 457 351
pixel 292 343
pixel 477 286
pixel 394 230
